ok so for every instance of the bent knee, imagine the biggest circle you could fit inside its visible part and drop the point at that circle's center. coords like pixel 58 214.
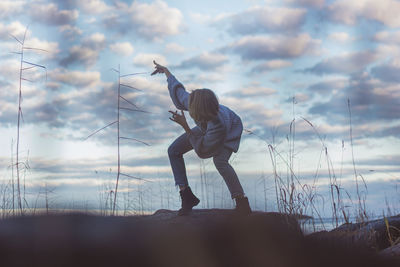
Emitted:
pixel 172 152
pixel 220 163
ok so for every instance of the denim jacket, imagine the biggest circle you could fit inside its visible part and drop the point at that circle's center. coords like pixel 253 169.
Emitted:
pixel 224 131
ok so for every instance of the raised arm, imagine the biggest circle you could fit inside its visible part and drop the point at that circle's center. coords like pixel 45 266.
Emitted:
pixel 177 92
pixel 161 69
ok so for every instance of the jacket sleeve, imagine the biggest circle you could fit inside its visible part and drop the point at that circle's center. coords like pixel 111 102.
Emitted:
pixel 208 144
pixel 178 94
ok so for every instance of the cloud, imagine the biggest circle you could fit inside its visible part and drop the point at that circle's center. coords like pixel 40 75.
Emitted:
pixel 9 8
pixel 174 48
pixel 271 65
pixel 35 107
pixel 371 102
pixel 87 109
pixel 387 72
pixel 327 87
pixel 388 51
pixel 298 98
pixel 207 19
pixel 388 37
pixel 87 172
pixel 152 21
pixel 308 3
pixel 146 60
pixel 205 61
pixel 350 12
pixel 388 131
pixel 9 69
pixel 381 160
pixel 8 94
pixel 255 116
pixel 156 19
pixel 199 79
pixel 272 46
pixel 70 32
pixel 95 41
pixel 122 48
pixel 94 6
pixel 263 20
pixel 15 28
pixel 341 37
pixel 347 63
pixel 86 53
pixel 75 78
pixel 78 54
pixel 51 48
pixel 50 14
pixel 252 90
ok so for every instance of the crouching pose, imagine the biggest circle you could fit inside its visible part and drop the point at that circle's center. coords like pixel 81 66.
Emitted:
pixel 216 135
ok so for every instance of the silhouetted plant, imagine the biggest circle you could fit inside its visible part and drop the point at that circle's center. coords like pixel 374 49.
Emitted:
pixel 24 65
pixel 132 107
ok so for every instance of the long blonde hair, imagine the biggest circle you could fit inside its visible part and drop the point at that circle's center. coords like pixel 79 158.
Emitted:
pixel 203 105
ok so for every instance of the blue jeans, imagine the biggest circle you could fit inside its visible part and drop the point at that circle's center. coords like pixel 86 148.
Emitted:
pixel 182 145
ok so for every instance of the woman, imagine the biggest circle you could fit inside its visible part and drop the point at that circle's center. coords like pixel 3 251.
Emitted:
pixel 216 135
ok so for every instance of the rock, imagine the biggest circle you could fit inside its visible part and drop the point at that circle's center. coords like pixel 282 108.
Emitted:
pixel 391 252
pixel 204 238
pixel 214 216
pixel 371 235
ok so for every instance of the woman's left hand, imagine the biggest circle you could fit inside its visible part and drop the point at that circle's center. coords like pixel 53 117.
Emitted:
pixel 179 118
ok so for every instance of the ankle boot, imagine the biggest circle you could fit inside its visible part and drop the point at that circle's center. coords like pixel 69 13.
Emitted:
pixel 242 206
pixel 189 200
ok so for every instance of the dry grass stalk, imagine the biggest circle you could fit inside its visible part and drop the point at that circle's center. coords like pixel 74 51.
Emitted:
pixel 22 68
pixel 119 137
pixel 361 212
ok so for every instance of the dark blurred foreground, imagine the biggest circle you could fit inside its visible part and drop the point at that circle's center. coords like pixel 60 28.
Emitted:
pixel 205 238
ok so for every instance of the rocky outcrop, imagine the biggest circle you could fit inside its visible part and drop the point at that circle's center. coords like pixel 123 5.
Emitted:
pixel 374 235
pixel 391 252
pixel 204 238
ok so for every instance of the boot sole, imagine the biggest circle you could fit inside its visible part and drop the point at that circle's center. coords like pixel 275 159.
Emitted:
pixel 189 211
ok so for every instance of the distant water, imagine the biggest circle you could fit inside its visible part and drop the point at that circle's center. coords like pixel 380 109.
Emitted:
pixel 315 225
pixel 324 224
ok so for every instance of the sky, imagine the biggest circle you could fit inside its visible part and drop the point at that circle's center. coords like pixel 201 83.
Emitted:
pixel 314 81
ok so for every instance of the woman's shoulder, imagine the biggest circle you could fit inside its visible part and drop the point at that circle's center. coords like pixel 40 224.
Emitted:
pixel 224 109
pixel 227 112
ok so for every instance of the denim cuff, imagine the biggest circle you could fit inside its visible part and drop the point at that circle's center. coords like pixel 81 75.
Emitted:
pixel 237 194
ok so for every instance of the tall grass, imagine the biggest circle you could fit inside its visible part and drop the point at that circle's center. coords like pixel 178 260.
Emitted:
pixel 6 199
pixel 131 107
pixel 105 198
pixel 338 208
pixel 361 200
pixel 24 66
pixel 295 197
